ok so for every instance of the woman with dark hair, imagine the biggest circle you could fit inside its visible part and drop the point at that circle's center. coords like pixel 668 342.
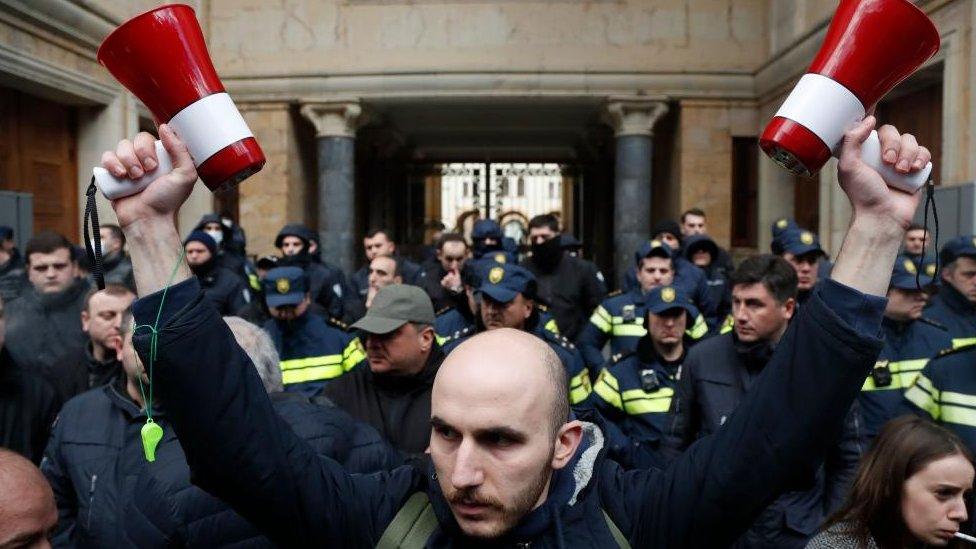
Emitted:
pixel 911 490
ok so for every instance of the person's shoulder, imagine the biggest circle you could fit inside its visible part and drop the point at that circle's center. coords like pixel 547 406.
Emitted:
pixel 454 339
pixel 839 536
pixel 622 361
pixel 558 339
pixel 954 357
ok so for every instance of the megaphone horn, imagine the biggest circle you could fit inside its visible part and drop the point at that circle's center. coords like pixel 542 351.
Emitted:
pixel 870 46
pixel 161 57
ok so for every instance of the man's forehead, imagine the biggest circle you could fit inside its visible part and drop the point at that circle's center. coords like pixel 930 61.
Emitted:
pixel 61 254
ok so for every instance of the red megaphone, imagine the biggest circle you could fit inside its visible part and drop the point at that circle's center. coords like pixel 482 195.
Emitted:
pixel 870 47
pixel 161 57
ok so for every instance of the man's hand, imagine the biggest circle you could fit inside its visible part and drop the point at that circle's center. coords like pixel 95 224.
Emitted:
pixel 867 191
pixel 148 219
pixel 452 281
pixel 881 214
pixel 163 198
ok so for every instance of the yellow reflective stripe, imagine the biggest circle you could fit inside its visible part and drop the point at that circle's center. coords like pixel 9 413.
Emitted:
pixel 606 388
pixel 313 368
pixel 552 326
pixel 699 330
pixel 628 330
pixel 903 375
pixel 959 415
pixel 253 280
pixel 601 319
pixel 728 325
pixel 963 342
pixel 948 397
pixel 353 354
pixel 924 395
pixel 637 402
pixel 579 387
pixel 440 339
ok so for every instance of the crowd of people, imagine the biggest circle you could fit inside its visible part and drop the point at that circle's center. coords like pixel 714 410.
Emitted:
pixel 490 389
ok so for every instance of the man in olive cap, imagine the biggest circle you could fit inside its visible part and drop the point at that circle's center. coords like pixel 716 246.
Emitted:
pixel 393 394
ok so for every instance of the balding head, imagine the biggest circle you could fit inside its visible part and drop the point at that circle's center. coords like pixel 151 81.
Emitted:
pixel 500 414
pixel 27 510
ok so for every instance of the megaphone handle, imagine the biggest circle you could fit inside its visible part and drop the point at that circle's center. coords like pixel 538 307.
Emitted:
pixel 119 187
pixel 910 183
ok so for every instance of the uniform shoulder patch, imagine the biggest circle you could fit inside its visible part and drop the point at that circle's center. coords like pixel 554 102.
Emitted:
pixel 954 350
pixel 931 322
pixel 615 293
pixel 620 357
pixel 338 323
pixel 561 340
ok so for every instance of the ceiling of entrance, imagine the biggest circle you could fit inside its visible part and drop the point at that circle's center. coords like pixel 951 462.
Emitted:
pixel 491 130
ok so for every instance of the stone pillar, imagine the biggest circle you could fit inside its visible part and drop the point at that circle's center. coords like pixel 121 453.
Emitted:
pixel 335 128
pixel 633 122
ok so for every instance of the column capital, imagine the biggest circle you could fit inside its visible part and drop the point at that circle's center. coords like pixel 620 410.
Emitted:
pixel 334 118
pixel 635 115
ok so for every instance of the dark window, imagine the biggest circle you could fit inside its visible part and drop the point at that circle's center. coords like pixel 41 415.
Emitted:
pixel 745 191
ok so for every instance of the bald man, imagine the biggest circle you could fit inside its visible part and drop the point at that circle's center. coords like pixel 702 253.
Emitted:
pixel 508 465
pixel 27 511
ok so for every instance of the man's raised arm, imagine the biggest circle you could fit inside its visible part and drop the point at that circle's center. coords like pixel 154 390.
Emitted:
pixel 236 445
pixel 780 432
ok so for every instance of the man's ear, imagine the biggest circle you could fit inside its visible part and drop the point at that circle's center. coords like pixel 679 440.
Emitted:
pixel 567 441
pixel 427 337
pixel 118 348
pixel 790 306
pixel 398 279
pixel 85 318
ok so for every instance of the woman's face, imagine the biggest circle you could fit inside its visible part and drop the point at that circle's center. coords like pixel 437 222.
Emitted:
pixel 933 503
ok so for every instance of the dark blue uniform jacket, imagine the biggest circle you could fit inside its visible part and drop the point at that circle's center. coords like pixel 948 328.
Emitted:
pixel 946 391
pixel 313 352
pixel 951 309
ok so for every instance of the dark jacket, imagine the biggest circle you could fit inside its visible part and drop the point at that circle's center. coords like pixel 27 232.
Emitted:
pixel 230 251
pixel 439 295
pixel 634 392
pixel 951 309
pixel 99 372
pixel 224 288
pixel 690 278
pixel 242 452
pixel 572 290
pixel 93 460
pixel 716 378
pixel 13 279
pixel 716 273
pixel 620 319
pixel 945 392
pixel 169 511
pixel 313 352
pixel 908 348
pixel 397 406
pixel 28 406
pixel 44 335
pixel 117 269
pixel 326 284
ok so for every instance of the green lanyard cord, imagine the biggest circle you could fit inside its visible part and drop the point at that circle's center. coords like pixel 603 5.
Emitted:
pixel 153 346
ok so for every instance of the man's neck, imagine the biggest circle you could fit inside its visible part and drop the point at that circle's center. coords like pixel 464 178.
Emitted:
pixel 774 339
pixel 669 352
pixel 99 353
pixel 132 389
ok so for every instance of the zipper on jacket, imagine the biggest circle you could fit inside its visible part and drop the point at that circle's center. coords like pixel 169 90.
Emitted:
pixel 91 499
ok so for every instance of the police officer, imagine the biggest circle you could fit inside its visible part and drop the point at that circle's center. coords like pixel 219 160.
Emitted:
pixel 312 350
pixel 619 319
pixel 222 286
pixel 635 388
pixel 230 253
pixel 945 391
pixel 916 246
pixel 326 283
pixel 801 249
pixel 910 341
pixel 508 300
pixel 488 241
pixel 705 254
pixel 955 304
pixel 572 287
pixel 784 224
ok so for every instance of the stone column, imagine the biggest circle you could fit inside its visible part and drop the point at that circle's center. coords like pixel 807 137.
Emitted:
pixel 633 122
pixel 335 128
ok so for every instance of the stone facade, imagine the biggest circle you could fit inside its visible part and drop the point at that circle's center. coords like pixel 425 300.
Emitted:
pixel 723 66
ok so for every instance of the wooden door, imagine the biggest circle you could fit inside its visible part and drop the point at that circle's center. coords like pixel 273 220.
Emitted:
pixel 38 155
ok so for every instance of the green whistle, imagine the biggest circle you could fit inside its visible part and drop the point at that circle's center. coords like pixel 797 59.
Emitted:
pixel 152 433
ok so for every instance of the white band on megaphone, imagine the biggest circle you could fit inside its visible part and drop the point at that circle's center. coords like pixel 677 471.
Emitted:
pixel 208 125
pixel 824 107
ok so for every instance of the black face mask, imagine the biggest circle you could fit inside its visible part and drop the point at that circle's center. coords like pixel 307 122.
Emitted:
pixel 480 247
pixel 547 254
pixel 205 268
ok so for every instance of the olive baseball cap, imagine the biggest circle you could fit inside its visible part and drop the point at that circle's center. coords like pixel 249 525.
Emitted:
pixel 394 306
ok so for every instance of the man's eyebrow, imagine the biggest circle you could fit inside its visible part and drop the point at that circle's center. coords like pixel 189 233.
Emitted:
pixel 501 431
pixel 438 422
